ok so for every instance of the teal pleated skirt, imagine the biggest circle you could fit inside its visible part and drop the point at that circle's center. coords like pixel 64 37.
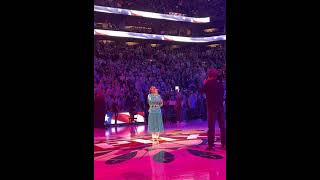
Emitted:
pixel 155 122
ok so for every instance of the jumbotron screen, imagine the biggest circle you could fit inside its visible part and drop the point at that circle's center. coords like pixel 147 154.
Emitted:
pixel 102 32
pixel 150 14
pixel 123 118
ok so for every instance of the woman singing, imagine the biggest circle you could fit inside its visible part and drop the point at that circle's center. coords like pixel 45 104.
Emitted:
pixel 155 124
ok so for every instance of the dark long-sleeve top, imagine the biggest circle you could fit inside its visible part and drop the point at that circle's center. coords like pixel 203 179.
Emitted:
pixel 214 92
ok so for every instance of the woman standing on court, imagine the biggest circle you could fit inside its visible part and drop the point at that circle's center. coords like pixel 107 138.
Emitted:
pixel 155 122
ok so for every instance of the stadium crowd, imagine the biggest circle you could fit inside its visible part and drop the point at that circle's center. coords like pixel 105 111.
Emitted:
pixel 125 73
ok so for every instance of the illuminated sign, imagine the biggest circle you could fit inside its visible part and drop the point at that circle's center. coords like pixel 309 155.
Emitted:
pixel 102 32
pixel 171 17
pixel 123 118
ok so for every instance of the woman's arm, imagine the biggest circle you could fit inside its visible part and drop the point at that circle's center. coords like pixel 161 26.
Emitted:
pixel 161 102
pixel 149 100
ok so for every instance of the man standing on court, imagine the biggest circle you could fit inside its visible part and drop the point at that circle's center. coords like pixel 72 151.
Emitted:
pixel 214 92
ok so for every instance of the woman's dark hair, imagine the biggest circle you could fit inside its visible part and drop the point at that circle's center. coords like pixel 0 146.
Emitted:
pixel 151 88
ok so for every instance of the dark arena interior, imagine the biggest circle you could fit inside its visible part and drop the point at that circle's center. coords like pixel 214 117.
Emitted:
pixel 159 64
